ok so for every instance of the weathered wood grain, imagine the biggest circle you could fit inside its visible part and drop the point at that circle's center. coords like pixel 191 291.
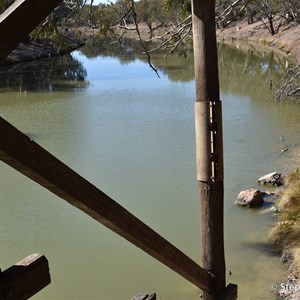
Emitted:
pixel 209 147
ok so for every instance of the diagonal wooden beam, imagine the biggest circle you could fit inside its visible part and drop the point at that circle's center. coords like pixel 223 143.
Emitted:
pixel 22 17
pixel 26 156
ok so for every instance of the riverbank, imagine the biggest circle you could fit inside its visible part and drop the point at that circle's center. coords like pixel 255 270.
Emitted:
pixel 285 236
pixel 286 40
pixel 31 49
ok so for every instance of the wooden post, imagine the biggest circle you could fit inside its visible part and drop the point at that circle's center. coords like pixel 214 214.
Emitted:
pixel 18 151
pixel 25 278
pixel 209 144
pixel 230 292
pixel 22 17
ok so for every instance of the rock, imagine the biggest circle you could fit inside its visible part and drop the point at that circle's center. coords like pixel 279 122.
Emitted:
pixel 283 150
pixel 274 178
pixel 250 198
pixel 144 297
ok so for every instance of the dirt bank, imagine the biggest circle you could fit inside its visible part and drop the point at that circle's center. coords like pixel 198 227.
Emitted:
pixel 286 40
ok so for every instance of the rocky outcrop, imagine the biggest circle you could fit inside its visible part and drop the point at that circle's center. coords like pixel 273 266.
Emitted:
pixel 250 198
pixel 273 178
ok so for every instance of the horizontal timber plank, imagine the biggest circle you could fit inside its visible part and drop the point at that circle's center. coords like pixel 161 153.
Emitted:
pixel 22 17
pixel 25 278
pixel 26 156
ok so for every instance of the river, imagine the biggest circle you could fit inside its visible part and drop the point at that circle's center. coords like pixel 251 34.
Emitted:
pixel 106 114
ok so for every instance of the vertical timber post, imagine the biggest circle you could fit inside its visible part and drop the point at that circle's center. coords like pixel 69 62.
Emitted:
pixel 209 143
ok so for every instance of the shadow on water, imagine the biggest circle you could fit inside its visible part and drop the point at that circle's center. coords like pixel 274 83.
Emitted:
pixel 176 67
pixel 51 74
pixel 262 248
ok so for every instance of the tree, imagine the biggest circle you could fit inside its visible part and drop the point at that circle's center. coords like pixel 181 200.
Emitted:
pixel 228 11
pixel 268 9
pixel 178 10
pixel 292 9
pixel 151 12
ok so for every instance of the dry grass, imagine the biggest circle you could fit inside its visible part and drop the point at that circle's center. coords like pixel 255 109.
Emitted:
pixel 296 262
pixel 286 233
pixel 294 176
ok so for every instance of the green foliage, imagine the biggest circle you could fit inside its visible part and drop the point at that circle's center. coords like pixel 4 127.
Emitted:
pixel 56 26
pixel 181 5
pixel 106 17
pixel 178 9
pixel 151 12
pixel 49 34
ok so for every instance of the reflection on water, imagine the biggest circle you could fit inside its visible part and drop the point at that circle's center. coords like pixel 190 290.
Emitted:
pixel 242 70
pixel 175 67
pixel 51 74
pixel 132 135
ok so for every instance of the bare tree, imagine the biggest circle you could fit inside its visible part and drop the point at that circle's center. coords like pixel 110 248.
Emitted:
pixel 292 10
pixel 228 11
pixel 267 10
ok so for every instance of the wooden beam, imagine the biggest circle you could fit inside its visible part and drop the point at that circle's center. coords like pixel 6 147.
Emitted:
pixel 22 17
pixel 25 278
pixel 18 151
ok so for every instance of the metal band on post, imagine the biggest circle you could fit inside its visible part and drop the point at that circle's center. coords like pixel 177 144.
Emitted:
pixel 209 141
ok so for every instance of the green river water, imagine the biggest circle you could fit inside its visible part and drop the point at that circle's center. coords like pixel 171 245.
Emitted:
pixel 106 114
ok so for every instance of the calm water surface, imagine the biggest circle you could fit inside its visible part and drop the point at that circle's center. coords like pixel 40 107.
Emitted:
pixel 107 115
